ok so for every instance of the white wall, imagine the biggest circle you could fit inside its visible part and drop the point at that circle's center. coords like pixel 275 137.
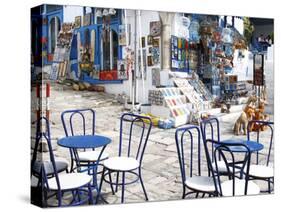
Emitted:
pixel 70 12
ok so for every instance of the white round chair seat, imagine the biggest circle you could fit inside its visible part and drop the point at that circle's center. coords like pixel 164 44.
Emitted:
pixel 121 163
pixel 70 181
pixel 222 167
pixel 200 183
pixel 92 155
pixel 261 171
pixel 227 188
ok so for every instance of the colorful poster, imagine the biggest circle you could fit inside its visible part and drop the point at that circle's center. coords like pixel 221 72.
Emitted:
pixel 122 73
pixel 155 28
pixel 87 19
pixel 155 76
pixel 122 37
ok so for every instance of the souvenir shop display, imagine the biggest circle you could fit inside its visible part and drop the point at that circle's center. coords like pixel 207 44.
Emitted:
pixel 87 19
pixel 155 76
pixel 61 65
pixel 155 53
pixel 179 54
pixel 194 31
pixel 77 22
pixel 122 73
pixel 155 28
pixel 122 38
pixel 196 93
pixel 168 102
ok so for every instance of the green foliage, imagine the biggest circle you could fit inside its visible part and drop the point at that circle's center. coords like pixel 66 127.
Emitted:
pixel 248 29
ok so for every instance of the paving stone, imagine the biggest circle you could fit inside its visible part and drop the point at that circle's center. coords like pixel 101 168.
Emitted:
pixel 160 168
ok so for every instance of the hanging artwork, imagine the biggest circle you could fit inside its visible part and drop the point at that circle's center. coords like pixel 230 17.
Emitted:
pixel 87 19
pixel 155 28
pixel 149 40
pixel 179 54
pixel 77 22
pixel 122 38
pixel 155 76
pixel 258 69
pixel 156 42
pixel 149 60
pixel 142 42
pixel 155 55
pixel 122 73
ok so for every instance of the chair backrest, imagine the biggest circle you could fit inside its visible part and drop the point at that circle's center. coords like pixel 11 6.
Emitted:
pixel 135 130
pixel 267 140
pixel 40 136
pixel 230 158
pixel 212 126
pixel 75 122
pixel 188 145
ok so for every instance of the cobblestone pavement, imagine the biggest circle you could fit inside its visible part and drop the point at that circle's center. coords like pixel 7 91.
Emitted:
pixel 160 169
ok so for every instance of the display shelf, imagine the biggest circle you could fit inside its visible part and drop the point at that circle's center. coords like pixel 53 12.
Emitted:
pixel 195 92
pixel 169 103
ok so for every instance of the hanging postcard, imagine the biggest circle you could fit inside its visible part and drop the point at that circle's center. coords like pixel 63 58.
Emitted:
pixel 155 76
pixel 155 28
pixel 122 73
pixel 122 37
pixel 87 19
pixel 155 55
pixel 77 22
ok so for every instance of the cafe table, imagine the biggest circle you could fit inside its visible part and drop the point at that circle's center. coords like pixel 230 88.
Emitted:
pixel 86 142
pixel 253 146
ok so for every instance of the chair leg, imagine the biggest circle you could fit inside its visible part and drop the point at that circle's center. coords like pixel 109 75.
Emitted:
pixel 123 187
pixel 111 185
pixel 59 196
pixel 117 179
pixel 269 190
pixel 99 189
pixel 90 195
pixel 142 185
pixel 183 192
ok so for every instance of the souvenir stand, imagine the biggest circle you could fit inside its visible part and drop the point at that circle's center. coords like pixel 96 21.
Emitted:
pixel 60 64
pixel 95 49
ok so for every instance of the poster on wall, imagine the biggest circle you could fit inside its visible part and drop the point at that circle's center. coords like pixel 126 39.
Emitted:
pixel 258 70
pixel 149 40
pixel 122 73
pixel 122 37
pixel 155 53
pixel 77 22
pixel 155 28
pixel 155 76
pixel 179 54
pixel 87 19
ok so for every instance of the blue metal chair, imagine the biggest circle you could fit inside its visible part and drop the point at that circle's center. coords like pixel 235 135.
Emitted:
pixel 59 184
pixel 212 126
pixel 37 164
pixel 262 170
pixel 234 186
pixel 130 156
pixel 193 180
pixel 86 158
